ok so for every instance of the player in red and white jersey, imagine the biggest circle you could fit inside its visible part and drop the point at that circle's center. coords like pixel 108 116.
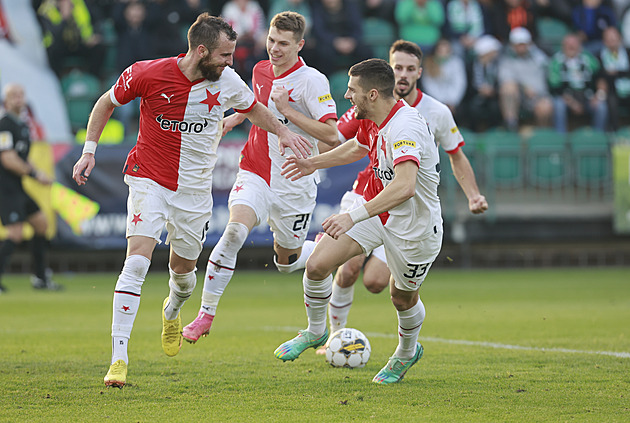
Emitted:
pixel 400 210
pixel 169 170
pixel 405 58
pixel 299 97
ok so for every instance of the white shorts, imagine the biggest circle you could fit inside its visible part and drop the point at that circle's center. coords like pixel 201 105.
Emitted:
pixel 348 203
pixel 408 261
pixel 151 207
pixel 288 215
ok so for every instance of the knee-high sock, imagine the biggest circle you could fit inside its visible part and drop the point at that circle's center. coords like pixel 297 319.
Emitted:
pixel 409 325
pixel 339 306
pixel 181 288
pixel 221 265
pixel 39 249
pixel 316 297
pixel 126 303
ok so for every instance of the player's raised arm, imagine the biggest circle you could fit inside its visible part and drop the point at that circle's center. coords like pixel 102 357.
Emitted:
pixel 101 113
pixel 294 167
pixel 262 117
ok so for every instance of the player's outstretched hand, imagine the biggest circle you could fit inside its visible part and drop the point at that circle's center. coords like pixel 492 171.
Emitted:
pixel 82 168
pixel 294 168
pixel 478 204
pixel 231 122
pixel 300 146
pixel 337 225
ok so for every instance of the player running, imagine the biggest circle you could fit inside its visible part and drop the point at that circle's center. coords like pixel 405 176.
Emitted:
pixel 169 171
pixel 405 58
pixel 400 210
pixel 299 96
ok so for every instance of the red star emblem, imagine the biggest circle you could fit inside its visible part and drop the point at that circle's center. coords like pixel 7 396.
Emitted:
pixel 334 317
pixel 290 99
pixel 211 100
pixel 125 308
pixel 238 188
pixel 306 304
pixel 136 219
pixel 210 277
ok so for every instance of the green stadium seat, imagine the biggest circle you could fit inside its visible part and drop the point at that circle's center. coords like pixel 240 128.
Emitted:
pixel 338 87
pixel 471 149
pixel 547 159
pixel 379 35
pixel 551 31
pixel 80 91
pixel 503 154
pixel 590 153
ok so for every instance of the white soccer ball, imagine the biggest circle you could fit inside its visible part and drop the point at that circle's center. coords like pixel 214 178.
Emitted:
pixel 348 348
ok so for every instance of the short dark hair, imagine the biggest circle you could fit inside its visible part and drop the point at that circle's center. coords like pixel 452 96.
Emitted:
pixel 207 30
pixel 406 47
pixel 375 74
pixel 290 21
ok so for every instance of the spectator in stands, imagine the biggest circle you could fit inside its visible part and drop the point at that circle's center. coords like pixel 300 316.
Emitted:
pixel 248 20
pixel 484 108
pixel 573 83
pixel 445 76
pixel 420 21
pixel 589 20
pixel 69 31
pixel 557 9
pixel 464 25
pixel 381 9
pixel 615 62
pixel 170 20
pixel 510 14
pixel 338 33
pixel 523 81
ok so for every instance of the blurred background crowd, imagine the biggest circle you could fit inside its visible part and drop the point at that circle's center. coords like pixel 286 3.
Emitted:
pixel 495 63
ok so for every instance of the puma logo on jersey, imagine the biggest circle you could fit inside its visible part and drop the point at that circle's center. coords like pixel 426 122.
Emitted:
pixel 167 97
pixel 259 87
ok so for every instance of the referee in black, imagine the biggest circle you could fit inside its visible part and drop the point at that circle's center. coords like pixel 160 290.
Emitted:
pixel 16 207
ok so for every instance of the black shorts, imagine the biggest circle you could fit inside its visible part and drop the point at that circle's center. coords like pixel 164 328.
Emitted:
pixel 15 205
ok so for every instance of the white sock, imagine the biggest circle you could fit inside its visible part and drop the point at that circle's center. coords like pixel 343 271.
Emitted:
pixel 181 288
pixel 307 250
pixel 221 265
pixel 409 325
pixel 316 297
pixel 126 303
pixel 339 306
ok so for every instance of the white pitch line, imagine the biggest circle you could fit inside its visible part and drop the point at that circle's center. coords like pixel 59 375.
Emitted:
pixel 479 343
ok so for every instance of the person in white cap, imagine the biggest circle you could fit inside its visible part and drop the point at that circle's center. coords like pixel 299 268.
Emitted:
pixel 523 81
pixel 484 109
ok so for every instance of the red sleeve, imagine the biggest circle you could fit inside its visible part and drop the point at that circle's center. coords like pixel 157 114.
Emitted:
pixel 347 124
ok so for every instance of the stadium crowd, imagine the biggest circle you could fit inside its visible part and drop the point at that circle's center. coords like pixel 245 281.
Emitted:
pixel 561 63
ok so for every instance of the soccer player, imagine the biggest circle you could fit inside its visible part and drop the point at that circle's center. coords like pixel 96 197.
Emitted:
pixel 299 96
pixel 169 171
pixel 400 209
pixel 405 58
pixel 16 206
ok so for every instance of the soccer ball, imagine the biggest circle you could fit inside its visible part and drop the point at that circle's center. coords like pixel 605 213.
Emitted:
pixel 348 348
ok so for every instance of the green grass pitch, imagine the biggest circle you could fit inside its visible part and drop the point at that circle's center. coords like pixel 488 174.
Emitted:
pixel 500 346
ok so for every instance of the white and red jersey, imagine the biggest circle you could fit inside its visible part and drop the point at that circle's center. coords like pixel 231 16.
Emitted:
pixel 309 93
pixel 438 116
pixel 441 122
pixel 404 135
pixel 180 121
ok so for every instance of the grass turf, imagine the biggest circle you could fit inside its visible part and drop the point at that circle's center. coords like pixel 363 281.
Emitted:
pixel 516 345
